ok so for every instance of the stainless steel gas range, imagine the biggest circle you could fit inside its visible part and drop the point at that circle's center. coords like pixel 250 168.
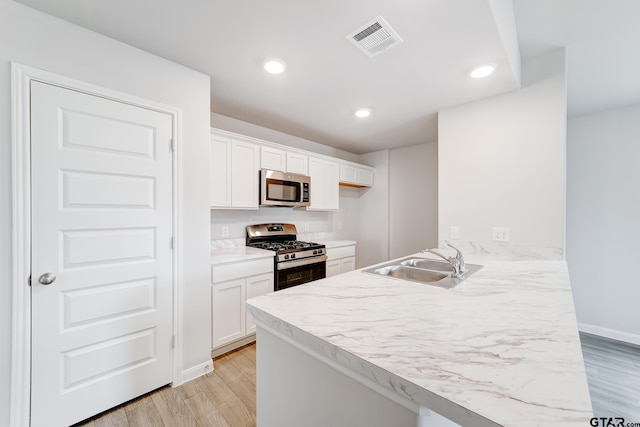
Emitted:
pixel 296 262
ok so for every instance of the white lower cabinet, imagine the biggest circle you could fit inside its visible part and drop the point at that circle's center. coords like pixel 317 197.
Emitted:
pixel 232 285
pixel 341 260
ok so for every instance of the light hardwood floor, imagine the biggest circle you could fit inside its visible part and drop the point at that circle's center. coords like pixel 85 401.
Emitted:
pixel 227 396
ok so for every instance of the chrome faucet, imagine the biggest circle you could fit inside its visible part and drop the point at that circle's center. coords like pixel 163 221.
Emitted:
pixel 456 262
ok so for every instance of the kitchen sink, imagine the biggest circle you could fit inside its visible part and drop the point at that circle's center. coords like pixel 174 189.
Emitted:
pixel 410 273
pixel 429 264
pixel 422 270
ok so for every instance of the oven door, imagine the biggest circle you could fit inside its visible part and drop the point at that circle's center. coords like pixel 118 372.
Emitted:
pixel 293 273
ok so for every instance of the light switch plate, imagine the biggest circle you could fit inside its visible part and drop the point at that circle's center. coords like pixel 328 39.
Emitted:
pixel 454 232
pixel 224 231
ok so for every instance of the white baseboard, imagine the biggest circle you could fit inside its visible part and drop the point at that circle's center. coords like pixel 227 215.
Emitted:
pixel 195 372
pixel 609 333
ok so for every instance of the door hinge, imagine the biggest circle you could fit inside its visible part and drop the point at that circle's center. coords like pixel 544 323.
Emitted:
pixel 173 145
pixel 29 281
pixel 171 243
pixel 173 341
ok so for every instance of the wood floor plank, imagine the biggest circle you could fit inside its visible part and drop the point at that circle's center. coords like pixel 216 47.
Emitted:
pixel 172 409
pixel 613 376
pixel 246 365
pixel 114 418
pixel 205 411
pixel 217 390
pixel 237 414
pixel 246 392
pixel 144 414
pixel 224 367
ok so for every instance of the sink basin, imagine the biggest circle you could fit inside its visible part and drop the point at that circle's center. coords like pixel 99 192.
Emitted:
pixel 410 273
pixel 423 270
pixel 429 264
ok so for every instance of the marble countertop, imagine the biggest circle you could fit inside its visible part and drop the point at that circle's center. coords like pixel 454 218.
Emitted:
pixel 243 253
pixel 502 348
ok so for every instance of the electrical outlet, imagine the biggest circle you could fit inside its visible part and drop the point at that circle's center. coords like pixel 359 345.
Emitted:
pixel 339 225
pixel 225 231
pixel 306 226
pixel 501 234
pixel 454 232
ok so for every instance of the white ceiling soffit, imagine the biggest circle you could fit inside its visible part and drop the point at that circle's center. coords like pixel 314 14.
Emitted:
pixel 504 16
pixel 374 37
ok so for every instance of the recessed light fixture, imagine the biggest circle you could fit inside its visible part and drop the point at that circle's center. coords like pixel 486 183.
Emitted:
pixel 483 71
pixel 274 66
pixel 363 112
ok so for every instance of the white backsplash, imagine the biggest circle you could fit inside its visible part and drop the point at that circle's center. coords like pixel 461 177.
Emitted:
pixel 311 225
pixel 503 250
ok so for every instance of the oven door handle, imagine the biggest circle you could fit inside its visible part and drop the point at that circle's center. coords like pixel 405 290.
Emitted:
pixel 300 262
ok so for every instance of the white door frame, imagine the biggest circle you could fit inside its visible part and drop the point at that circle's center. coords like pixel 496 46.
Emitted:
pixel 21 77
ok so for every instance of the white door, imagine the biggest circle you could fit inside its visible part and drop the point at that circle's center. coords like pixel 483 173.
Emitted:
pixel 102 224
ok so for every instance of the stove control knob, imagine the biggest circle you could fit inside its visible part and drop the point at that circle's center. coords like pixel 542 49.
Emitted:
pixel 286 257
pixel 293 256
pixel 315 252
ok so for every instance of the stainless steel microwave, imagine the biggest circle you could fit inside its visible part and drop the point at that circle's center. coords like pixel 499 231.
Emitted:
pixel 284 189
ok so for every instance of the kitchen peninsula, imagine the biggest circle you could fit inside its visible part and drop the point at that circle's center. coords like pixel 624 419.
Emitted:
pixel 500 349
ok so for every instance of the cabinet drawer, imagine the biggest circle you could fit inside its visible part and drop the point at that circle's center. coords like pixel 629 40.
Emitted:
pixel 341 252
pixel 222 273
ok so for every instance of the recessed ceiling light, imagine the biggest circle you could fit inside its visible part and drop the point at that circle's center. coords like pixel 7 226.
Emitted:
pixel 274 66
pixel 483 71
pixel 363 112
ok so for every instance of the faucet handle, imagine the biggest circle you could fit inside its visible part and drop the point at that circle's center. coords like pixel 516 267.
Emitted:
pixel 458 252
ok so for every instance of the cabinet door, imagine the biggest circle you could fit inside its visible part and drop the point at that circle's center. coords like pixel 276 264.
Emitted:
pixel 332 186
pixel 365 177
pixel 325 190
pixel 316 172
pixel 244 175
pixel 227 312
pixel 347 264
pixel 348 174
pixel 256 286
pixel 297 163
pixel 333 267
pixel 220 162
pixel 273 159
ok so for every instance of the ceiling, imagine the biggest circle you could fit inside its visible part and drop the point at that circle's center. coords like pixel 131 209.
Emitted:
pixel 327 78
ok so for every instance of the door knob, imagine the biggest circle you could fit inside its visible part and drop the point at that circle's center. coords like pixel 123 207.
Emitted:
pixel 47 278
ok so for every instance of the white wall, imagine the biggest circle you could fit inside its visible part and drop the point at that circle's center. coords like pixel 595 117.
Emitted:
pixel 603 226
pixel 502 161
pixel 38 40
pixel 413 199
pixel 373 223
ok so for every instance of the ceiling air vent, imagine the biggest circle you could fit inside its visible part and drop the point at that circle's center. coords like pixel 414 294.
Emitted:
pixel 374 37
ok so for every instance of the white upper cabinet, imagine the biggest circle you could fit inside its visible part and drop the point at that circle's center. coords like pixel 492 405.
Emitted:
pixel 220 161
pixel 281 160
pixel 325 193
pixel 297 163
pixel 234 173
pixel 273 159
pixel 356 175
pixel 236 161
pixel 244 175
